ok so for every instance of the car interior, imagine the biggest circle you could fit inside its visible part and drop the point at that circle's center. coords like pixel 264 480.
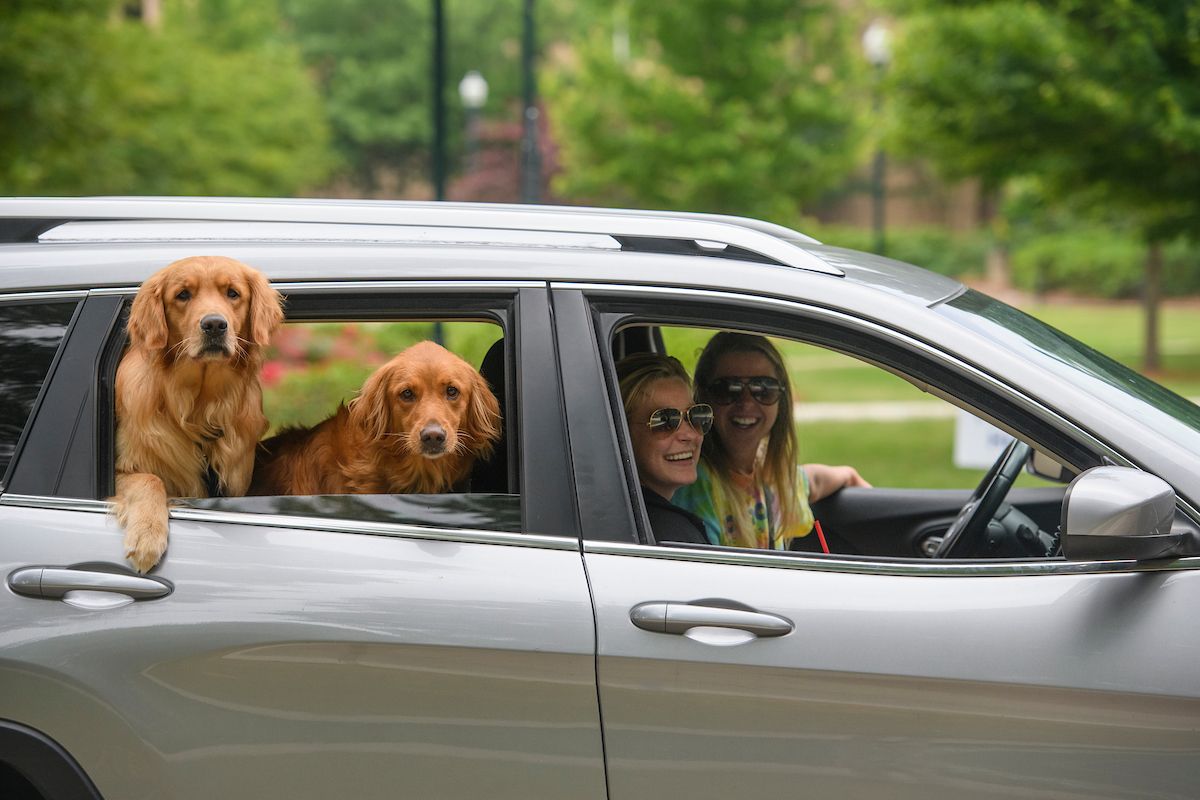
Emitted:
pixel 995 511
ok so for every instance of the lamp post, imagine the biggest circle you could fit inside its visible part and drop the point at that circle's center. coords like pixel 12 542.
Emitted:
pixel 438 74
pixel 877 47
pixel 473 91
pixel 531 156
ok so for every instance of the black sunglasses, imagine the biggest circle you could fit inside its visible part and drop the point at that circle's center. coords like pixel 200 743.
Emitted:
pixel 699 416
pixel 763 388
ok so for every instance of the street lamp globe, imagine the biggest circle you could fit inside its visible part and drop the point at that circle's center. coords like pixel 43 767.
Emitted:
pixel 473 90
pixel 877 43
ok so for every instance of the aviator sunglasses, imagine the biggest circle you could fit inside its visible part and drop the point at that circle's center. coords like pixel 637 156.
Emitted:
pixel 699 416
pixel 763 388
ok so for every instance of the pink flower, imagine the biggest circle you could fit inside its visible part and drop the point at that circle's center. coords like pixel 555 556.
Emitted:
pixel 272 372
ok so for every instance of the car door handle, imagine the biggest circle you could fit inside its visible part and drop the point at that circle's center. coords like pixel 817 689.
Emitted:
pixel 669 617
pixel 58 581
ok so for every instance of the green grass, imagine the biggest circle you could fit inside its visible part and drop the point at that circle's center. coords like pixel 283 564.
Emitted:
pixel 916 454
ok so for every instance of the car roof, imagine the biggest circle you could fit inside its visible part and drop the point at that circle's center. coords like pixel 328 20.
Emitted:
pixel 97 221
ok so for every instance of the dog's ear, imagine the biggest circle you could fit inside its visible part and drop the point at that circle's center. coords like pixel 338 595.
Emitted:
pixel 371 411
pixel 266 308
pixel 147 318
pixel 483 417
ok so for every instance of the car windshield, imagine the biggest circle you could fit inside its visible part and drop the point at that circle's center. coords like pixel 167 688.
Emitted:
pixel 1121 387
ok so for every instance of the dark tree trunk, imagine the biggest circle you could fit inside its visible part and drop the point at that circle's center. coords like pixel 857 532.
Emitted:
pixel 1151 293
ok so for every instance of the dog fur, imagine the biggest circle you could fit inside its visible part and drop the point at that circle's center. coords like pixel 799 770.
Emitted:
pixel 188 396
pixel 416 427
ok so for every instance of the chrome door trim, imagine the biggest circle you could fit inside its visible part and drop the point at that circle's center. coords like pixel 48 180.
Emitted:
pixel 108 291
pixel 67 294
pixel 393 286
pixel 361 285
pixel 462 535
pixel 933 569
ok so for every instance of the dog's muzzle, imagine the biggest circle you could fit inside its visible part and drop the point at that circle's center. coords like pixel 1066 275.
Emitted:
pixel 214 329
pixel 433 440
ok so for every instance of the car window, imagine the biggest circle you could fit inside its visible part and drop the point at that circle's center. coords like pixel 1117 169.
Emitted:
pixel 319 362
pixel 921 455
pixel 30 336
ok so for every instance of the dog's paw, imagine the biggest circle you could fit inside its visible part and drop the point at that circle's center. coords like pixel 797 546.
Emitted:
pixel 145 542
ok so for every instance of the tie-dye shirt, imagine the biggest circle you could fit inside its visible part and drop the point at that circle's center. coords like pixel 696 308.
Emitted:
pixel 763 505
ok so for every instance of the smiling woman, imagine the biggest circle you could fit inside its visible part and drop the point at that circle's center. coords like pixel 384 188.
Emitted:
pixel 666 430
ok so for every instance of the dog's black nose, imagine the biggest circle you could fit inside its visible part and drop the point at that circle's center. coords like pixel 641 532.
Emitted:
pixel 213 325
pixel 433 436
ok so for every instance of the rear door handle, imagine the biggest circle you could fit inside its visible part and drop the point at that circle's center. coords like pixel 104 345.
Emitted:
pixel 672 617
pixel 92 577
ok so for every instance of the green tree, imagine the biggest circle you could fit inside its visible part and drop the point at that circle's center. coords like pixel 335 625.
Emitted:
pixel 735 106
pixel 1099 99
pixel 215 101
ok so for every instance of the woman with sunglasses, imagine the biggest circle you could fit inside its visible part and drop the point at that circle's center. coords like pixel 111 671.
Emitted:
pixel 666 430
pixel 749 491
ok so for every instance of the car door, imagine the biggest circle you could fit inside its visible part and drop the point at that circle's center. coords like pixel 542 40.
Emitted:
pixel 727 671
pixel 290 649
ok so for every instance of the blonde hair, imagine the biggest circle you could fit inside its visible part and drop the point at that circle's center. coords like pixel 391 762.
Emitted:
pixel 637 373
pixel 777 462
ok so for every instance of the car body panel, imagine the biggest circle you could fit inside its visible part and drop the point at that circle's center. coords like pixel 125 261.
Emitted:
pixel 898 686
pixel 305 663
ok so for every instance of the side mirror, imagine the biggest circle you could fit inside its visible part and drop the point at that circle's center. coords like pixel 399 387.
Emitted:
pixel 1047 468
pixel 1119 513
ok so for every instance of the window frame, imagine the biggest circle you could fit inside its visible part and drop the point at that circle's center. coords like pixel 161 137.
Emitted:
pixel 521 308
pixel 29 299
pixel 609 308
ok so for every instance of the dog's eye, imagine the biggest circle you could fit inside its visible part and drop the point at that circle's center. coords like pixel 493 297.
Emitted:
pixel 407 395
pixel 451 392
pixel 184 296
pixel 232 294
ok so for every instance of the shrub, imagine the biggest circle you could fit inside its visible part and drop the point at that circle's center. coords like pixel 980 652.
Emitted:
pixel 1100 262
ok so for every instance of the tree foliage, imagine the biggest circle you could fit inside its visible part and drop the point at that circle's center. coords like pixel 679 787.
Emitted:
pixel 374 60
pixel 1098 98
pixel 215 101
pixel 723 105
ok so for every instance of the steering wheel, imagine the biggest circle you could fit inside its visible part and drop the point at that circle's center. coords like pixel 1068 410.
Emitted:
pixel 966 535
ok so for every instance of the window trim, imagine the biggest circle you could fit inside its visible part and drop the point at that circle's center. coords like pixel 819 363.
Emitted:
pixel 327 524
pixel 613 307
pixel 40 298
pixel 881 565
pixel 496 302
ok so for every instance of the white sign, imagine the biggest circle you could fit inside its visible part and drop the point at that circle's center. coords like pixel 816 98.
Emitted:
pixel 977 444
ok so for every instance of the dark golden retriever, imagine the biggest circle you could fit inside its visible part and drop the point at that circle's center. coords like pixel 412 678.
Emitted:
pixel 417 427
pixel 188 398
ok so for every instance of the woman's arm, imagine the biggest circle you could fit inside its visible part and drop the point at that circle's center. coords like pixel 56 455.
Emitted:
pixel 824 480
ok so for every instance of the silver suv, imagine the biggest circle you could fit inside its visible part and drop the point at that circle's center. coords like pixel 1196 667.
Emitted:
pixel 530 638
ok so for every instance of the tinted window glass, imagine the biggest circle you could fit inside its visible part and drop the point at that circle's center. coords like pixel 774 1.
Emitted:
pixel 29 337
pixel 1114 383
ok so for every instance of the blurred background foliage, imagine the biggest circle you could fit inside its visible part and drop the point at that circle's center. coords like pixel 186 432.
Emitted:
pixel 748 107
pixel 1078 120
pixel 214 100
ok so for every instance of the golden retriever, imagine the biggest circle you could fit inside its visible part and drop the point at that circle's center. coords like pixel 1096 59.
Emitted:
pixel 188 398
pixel 417 427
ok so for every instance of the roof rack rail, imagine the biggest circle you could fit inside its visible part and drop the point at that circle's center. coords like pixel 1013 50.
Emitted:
pixel 693 247
pixel 650 231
